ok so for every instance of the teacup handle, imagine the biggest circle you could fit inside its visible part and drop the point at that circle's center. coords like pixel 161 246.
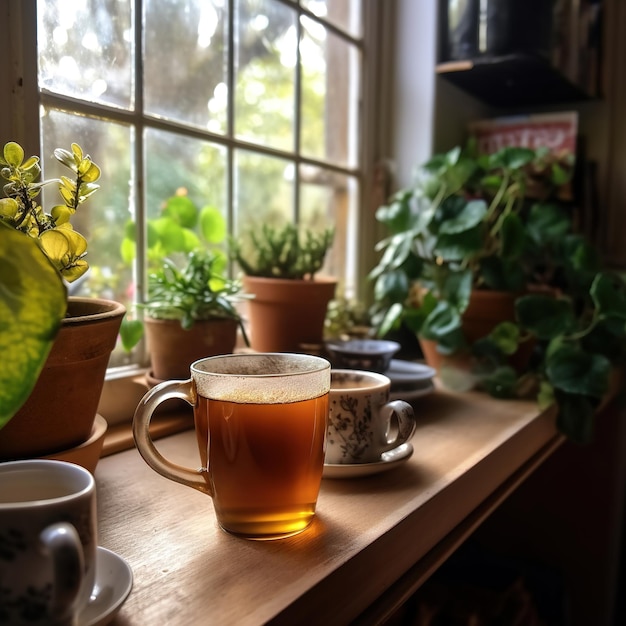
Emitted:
pixel 62 543
pixel 402 412
pixel 182 390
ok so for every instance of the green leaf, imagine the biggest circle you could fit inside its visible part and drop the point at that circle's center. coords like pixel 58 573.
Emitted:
pixel 396 214
pixel 545 397
pixel 501 383
pixel 392 286
pixel 170 235
pixel 191 241
pixel 513 236
pixel 546 317
pixel 32 305
pixel 212 225
pixel 396 253
pixel 13 154
pixel 460 246
pixel 128 250
pixel 471 215
pixel 182 210
pixel 131 332
pixel 506 336
pixel 547 223
pixel 514 158
pixel 457 289
pixel 391 319
pixel 609 296
pixel 572 370
pixel 443 320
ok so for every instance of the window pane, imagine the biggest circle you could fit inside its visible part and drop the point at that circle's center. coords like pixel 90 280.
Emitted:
pixel 86 50
pixel 346 14
pixel 102 218
pixel 185 63
pixel 329 95
pixel 328 198
pixel 263 191
pixel 184 168
pixel 265 59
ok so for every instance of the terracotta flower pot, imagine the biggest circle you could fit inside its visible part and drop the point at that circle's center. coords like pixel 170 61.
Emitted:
pixel 485 311
pixel 173 349
pixel 286 314
pixel 60 412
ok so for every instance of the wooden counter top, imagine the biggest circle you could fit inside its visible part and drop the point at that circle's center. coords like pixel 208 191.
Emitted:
pixel 374 540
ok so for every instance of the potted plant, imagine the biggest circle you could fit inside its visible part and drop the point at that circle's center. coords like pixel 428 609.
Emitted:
pixel 191 313
pixel 288 309
pixel 493 228
pixel 60 410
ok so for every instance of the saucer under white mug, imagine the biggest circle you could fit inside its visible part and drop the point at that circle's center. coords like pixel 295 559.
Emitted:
pixel 114 581
pixel 388 460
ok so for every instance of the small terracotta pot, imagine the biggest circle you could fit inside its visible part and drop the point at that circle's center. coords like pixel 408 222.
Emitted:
pixel 486 309
pixel 60 412
pixel 286 314
pixel 173 349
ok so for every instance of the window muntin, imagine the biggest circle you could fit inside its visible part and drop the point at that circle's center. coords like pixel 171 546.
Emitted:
pixel 261 135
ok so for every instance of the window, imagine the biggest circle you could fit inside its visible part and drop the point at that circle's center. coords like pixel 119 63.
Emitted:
pixel 252 107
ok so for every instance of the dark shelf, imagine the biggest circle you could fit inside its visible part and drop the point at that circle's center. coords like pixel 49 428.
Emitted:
pixel 512 80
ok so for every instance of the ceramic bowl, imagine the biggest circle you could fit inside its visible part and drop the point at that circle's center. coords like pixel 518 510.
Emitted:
pixel 362 354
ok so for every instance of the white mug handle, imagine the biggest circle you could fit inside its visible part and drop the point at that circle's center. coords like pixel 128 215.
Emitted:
pixel 62 543
pixel 402 413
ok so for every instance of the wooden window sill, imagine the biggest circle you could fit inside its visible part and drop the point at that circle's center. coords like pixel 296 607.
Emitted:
pixel 383 535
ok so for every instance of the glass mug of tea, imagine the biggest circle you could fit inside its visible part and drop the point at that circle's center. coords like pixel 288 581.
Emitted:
pixel 260 422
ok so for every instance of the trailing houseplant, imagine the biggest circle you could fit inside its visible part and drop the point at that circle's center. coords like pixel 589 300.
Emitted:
pixel 475 225
pixel 191 312
pixel 67 399
pixel 280 266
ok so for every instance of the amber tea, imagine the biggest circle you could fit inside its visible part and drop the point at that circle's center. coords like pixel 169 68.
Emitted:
pixel 264 462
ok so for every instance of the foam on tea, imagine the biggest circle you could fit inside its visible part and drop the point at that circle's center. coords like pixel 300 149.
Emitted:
pixel 237 378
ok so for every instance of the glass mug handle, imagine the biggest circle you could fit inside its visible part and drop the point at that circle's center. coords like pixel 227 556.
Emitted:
pixel 62 543
pixel 182 390
pixel 402 413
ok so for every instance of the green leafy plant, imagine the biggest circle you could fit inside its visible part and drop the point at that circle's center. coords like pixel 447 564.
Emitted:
pixel 180 228
pixel 282 252
pixel 198 291
pixel 498 222
pixel 38 251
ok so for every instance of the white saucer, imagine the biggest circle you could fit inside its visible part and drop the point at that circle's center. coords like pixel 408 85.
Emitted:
pixel 388 460
pixel 411 394
pixel 114 580
pixel 404 372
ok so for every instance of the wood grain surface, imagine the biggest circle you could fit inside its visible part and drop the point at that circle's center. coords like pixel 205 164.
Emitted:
pixel 369 534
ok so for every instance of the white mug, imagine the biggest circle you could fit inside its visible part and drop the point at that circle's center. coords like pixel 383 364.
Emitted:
pixel 48 542
pixel 362 422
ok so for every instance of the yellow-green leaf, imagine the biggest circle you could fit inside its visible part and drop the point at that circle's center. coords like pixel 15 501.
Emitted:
pixel 61 214
pixel 8 207
pixel 56 245
pixel 32 305
pixel 92 174
pixel 77 268
pixel 13 154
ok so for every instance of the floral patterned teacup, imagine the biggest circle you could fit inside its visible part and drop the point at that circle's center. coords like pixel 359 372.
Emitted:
pixel 48 541
pixel 362 422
